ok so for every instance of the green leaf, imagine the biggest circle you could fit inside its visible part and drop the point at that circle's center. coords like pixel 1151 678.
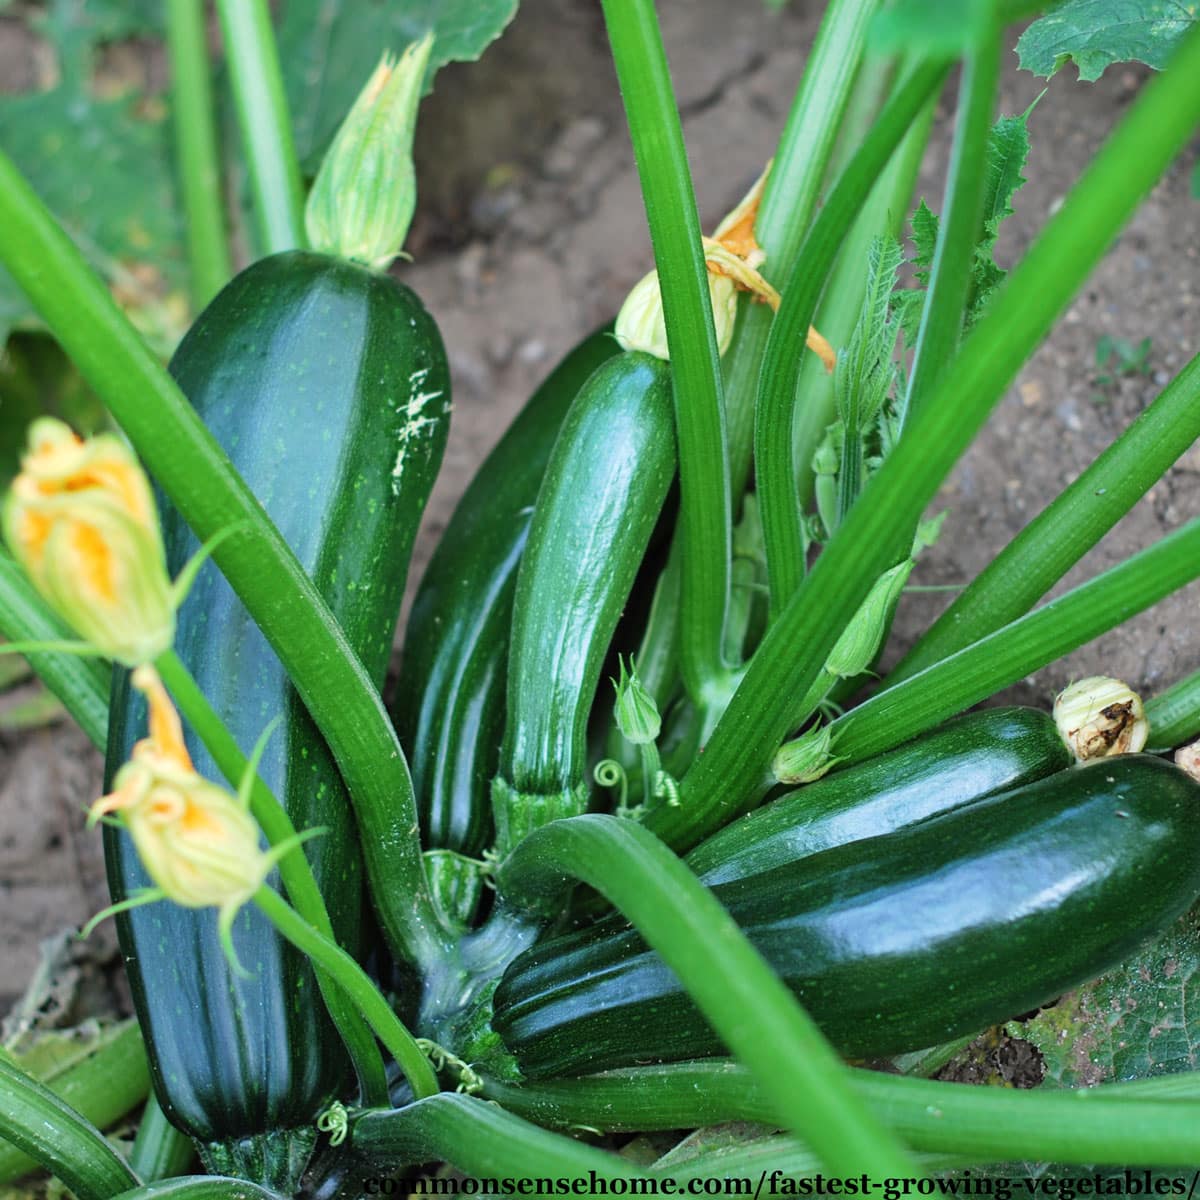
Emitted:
pixel 864 369
pixel 937 28
pixel 328 50
pixel 97 150
pixel 1138 1020
pixel 1094 34
pixel 1008 148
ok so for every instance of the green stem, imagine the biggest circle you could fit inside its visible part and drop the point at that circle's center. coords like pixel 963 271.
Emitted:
pixel 357 984
pixel 705 514
pixel 160 1151
pixel 55 1136
pixel 731 984
pixel 1121 1124
pixel 790 199
pixel 1063 532
pixel 883 215
pixel 196 150
pixel 200 1187
pixel 262 112
pixel 480 1139
pixel 294 869
pixel 763 710
pixel 1174 715
pixel 82 684
pixel 101 1088
pixel 925 700
pixel 951 272
pixel 775 413
pixel 202 483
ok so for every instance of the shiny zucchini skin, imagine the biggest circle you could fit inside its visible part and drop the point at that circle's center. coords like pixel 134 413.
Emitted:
pixel 449 707
pixel 898 942
pixel 958 763
pixel 612 465
pixel 327 386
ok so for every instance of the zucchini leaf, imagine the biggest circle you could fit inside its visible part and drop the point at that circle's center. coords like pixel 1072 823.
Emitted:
pixel 328 50
pixel 86 124
pixel 938 28
pixel 1094 34
pixel 1008 149
pixel 82 132
pixel 1138 1020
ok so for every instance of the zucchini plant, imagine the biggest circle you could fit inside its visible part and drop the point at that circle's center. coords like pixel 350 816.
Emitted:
pixel 531 916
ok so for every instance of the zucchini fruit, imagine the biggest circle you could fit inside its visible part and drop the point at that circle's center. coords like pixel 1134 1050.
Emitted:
pixel 958 763
pixel 899 942
pixel 327 386
pixel 604 488
pixel 449 707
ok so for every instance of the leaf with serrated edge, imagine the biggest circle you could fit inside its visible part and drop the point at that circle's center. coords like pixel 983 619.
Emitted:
pixel 328 50
pixel 1094 34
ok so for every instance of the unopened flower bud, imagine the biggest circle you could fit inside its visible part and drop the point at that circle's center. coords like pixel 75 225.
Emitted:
pixel 1099 717
pixel 642 326
pixel 806 758
pixel 855 650
pixel 81 521
pixel 365 193
pixel 636 712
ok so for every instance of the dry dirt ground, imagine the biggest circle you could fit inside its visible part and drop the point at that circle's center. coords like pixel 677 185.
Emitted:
pixel 531 231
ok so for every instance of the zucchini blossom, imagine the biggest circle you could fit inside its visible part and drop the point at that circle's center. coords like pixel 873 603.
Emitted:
pixel 80 519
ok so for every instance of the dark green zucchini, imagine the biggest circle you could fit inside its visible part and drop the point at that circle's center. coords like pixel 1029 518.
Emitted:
pixel 449 706
pixel 899 942
pixel 604 487
pixel 327 385
pixel 958 763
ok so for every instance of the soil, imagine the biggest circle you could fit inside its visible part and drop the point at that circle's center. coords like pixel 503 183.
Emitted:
pixel 531 231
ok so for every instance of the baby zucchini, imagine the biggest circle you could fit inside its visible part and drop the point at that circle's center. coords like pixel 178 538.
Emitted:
pixel 449 705
pixel 608 476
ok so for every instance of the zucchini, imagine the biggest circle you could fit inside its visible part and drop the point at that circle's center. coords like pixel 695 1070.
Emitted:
pixel 327 385
pixel 604 487
pixel 956 764
pixel 899 942
pixel 449 707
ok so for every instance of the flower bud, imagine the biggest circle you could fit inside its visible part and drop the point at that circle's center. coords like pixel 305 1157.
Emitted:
pixel 732 257
pixel 1099 717
pixel 642 326
pixel 637 714
pixel 81 521
pixel 806 758
pixel 855 650
pixel 196 840
pixel 362 202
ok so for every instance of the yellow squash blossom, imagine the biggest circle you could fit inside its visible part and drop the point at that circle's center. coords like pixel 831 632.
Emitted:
pixel 732 256
pixel 81 520
pixel 198 842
